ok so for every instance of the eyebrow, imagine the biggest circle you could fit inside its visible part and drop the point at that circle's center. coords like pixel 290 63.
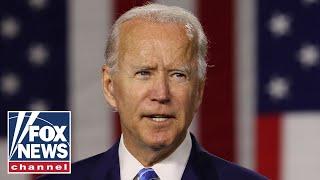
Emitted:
pixel 186 69
pixel 151 67
pixel 143 67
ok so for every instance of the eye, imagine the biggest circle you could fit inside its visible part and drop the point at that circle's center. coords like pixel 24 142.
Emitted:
pixel 143 74
pixel 179 76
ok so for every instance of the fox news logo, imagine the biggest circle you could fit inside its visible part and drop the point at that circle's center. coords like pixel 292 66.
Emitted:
pixel 39 142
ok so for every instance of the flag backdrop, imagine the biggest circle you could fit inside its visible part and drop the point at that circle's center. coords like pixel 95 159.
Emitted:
pixel 288 84
pixel 261 102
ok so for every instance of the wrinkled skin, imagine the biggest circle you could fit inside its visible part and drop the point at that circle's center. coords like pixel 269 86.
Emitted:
pixel 155 88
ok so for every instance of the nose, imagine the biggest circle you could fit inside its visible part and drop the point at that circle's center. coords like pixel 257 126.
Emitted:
pixel 161 90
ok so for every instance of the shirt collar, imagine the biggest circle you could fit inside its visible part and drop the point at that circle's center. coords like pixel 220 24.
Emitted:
pixel 171 168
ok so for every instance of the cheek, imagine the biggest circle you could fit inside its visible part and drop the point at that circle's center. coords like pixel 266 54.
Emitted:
pixel 129 95
pixel 187 97
pixel 183 97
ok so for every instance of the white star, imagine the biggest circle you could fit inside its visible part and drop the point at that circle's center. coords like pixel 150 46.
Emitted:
pixel 10 84
pixel 308 55
pixel 279 24
pixel 38 54
pixel 39 105
pixel 278 88
pixel 310 2
pixel 9 28
pixel 38 4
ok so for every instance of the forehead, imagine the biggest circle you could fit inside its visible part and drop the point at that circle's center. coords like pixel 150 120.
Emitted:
pixel 143 27
pixel 142 37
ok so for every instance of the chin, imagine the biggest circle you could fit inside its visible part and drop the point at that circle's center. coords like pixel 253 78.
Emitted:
pixel 161 141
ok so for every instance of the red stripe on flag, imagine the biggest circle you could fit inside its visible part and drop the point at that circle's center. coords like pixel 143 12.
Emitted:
pixel 217 111
pixel 120 7
pixel 268 146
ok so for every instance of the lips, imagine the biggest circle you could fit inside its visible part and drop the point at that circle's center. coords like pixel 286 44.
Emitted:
pixel 159 117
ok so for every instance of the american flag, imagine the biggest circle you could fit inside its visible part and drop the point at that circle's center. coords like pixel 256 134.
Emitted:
pixel 288 82
pixel 261 103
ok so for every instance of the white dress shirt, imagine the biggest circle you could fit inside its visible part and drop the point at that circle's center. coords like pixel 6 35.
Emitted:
pixel 171 168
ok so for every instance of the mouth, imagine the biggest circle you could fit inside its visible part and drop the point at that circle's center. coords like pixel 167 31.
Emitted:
pixel 159 117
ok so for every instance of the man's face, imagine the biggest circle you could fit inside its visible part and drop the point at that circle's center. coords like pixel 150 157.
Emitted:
pixel 156 87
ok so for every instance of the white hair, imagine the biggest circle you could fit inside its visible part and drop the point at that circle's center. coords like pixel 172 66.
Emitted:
pixel 163 14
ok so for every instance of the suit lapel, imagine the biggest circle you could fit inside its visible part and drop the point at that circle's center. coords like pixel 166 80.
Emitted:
pixel 108 166
pixel 196 168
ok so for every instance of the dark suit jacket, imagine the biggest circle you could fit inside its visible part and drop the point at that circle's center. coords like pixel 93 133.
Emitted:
pixel 201 166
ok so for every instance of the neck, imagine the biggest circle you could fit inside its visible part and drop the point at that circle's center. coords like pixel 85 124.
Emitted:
pixel 149 156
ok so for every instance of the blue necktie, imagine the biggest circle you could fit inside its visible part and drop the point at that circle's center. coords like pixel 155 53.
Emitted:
pixel 147 174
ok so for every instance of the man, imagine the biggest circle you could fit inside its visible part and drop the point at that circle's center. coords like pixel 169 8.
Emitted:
pixel 154 77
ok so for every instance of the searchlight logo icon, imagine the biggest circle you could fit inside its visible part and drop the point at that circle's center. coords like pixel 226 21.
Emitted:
pixel 39 142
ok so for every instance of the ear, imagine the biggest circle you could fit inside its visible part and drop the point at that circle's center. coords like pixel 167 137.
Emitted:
pixel 107 84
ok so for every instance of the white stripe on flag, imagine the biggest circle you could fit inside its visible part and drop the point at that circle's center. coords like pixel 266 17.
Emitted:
pixel 300 146
pixel 92 122
pixel 192 6
pixel 245 60
pixel 3 161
